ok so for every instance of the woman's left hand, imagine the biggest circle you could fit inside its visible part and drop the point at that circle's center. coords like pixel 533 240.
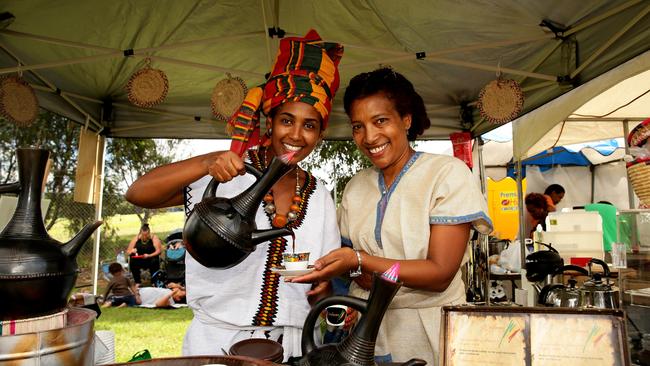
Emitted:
pixel 335 263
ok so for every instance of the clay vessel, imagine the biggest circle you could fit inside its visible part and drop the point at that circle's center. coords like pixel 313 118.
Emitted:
pixel 358 348
pixel 37 272
pixel 221 232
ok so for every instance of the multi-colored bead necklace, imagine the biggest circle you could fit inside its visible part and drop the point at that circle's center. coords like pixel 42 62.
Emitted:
pixel 279 220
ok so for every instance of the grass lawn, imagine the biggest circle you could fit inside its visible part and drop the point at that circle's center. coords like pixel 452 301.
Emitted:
pixel 128 226
pixel 161 331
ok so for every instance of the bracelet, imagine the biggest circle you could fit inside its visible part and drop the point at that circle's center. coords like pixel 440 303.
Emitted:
pixel 358 272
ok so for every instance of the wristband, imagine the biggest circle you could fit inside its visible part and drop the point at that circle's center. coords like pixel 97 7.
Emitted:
pixel 358 272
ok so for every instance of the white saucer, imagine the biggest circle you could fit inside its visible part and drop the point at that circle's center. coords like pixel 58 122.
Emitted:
pixel 292 272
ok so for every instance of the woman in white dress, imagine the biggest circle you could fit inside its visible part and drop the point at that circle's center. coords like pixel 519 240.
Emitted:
pixel 410 207
pixel 249 300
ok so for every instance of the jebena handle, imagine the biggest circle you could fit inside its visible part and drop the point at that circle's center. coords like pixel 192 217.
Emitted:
pixel 308 343
pixel 211 189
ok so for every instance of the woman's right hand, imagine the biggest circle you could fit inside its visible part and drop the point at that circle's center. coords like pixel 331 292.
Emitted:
pixel 224 165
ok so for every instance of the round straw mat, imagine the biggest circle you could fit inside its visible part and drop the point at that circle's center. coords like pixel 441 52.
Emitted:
pixel 639 174
pixel 147 87
pixel 18 101
pixel 227 96
pixel 639 134
pixel 500 101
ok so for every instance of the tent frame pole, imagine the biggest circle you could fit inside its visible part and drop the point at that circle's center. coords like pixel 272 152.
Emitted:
pixel 54 89
pixel 594 20
pixel 98 210
pixel 610 41
pixel 484 239
pixel 630 190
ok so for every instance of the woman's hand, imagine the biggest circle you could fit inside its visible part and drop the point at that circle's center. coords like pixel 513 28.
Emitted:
pixel 224 165
pixel 319 291
pixel 335 263
pixel 350 318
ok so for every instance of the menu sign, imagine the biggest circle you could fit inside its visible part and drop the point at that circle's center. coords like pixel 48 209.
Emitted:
pixel 477 339
pixel 532 337
pixel 587 340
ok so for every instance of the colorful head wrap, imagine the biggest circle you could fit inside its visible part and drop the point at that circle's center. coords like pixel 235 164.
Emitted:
pixel 305 70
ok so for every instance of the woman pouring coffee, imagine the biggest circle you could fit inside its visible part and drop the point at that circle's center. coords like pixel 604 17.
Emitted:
pixel 249 300
pixel 411 207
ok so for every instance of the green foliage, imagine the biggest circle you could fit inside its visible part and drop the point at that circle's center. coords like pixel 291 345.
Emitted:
pixel 340 160
pixel 128 159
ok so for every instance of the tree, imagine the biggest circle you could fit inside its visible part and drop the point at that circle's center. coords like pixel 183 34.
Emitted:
pixel 52 132
pixel 128 159
pixel 340 160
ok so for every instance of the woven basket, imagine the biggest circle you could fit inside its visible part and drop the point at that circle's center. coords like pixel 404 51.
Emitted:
pixel 33 325
pixel 227 96
pixel 500 101
pixel 639 175
pixel 640 134
pixel 147 87
pixel 18 101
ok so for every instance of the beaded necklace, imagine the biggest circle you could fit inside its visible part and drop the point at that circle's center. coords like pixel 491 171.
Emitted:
pixel 279 220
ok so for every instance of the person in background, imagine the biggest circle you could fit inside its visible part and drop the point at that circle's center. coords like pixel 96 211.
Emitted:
pixel 160 297
pixel 412 208
pixel 553 194
pixel 121 290
pixel 607 212
pixel 144 251
pixel 536 212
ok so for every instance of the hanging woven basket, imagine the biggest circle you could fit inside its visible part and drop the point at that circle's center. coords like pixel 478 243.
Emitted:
pixel 639 173
pixel 640 134
pixel 147 87
pixel 18 101
pixel 500 101
pixel 227 97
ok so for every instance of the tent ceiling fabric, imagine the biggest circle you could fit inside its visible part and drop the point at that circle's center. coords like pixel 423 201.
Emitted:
pixel 591 112
pixel 463 46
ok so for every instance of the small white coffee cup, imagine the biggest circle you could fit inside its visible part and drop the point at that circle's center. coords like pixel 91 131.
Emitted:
pixel 335 315
pixel 295 261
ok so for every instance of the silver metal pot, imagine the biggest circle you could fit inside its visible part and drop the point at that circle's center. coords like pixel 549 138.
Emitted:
pixel 558 295
pixel 599 293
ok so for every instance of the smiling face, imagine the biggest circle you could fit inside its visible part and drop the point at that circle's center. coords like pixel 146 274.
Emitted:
pixel 296 128
pixel 380 132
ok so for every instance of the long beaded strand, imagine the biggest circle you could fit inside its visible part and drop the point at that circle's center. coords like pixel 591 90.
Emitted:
pixel 279 220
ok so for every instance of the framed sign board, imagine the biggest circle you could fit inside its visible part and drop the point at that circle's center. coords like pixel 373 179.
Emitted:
pixel 532 336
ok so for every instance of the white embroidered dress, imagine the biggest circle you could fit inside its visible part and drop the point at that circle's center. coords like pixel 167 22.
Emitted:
pixel 395 223
pixel 227 303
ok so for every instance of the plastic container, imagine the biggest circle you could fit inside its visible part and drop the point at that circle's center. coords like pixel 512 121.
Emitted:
pixel 577 220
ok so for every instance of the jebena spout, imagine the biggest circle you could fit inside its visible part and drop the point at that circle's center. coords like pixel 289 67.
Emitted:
pixel 260 236
pixel 71 248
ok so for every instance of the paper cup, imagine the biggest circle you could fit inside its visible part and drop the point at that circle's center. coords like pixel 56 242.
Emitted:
pixel 335 315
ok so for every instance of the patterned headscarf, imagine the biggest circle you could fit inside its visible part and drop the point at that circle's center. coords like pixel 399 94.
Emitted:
pixel 305 70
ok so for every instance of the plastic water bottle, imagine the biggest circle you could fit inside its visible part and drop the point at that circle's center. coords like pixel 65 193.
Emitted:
pixel 121 258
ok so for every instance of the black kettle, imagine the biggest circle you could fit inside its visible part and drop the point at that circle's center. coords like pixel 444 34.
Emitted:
pixel 358 348
pixel 221 232
pixel 543 263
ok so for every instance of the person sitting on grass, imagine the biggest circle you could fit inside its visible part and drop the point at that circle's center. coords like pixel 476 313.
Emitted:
pixel 121 290
pixel 160 297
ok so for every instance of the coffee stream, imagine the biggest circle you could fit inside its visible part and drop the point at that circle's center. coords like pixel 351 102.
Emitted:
pixel 293 242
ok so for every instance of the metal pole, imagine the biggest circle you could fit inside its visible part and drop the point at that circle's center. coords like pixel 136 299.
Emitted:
pixel 484 239
pixel 101 147
pixel 630 191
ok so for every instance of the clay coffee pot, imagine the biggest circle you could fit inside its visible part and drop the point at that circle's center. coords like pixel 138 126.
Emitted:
pixel 37 273
pixel 358 348
pixel 221 232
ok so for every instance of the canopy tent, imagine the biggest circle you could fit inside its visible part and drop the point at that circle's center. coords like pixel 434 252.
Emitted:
pixel 591 174
pixel 79 55
pixel 597 110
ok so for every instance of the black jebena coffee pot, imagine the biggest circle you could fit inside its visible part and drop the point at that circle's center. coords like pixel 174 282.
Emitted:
pixel 37 273
pixel 221 232
pixel 358 348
